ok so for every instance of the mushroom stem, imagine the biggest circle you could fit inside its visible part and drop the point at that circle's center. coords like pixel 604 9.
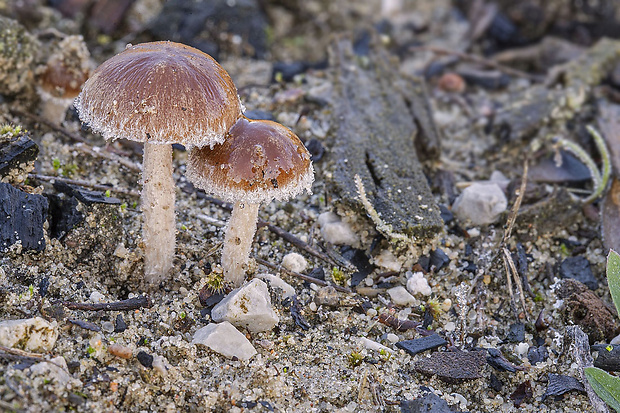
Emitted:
pixel 158 230
pixel 55 109
pixel 238 241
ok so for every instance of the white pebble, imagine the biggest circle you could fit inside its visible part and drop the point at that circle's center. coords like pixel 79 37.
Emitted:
pixel 336 231
pixel 417 284
pixel 392 338
pixel 400 296
pixel 480 203
pixel 449 326
pixel 371 312
pixel 294 262
pixel 97 297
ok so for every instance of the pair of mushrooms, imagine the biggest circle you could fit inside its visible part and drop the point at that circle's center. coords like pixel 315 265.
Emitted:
pixel 163 93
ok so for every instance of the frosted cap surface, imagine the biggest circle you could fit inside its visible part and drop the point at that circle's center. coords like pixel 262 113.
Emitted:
pixel 160 92
pixel 259 161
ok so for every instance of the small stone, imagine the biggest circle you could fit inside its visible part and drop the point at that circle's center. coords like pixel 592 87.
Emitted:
pixel 327 296
pixel 578 268
pixel 294 262
pixel 96 297
pixel 480 203
pixel 225 339
pixel 429 403
pixel 516 333
pixel 417 284
pixel 453 366
pixel 538 355
pixel 118 350
pixel 421 344
pixel 312 306
pixel 371 312
pixel 145 359
pixel 336 231
pixel 559 384
pixel 22 217
pixel 449 326
pixel 392 338
pixel 439 259
pixel 119 324
pixel 521 349
pixel 107 326
pixel 32 334
pixel 400 296
pixel 55 370
pixel 248 306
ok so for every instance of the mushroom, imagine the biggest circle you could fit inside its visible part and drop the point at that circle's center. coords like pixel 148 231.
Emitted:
pixel 160 93
pixel 259 161
pixel 62 76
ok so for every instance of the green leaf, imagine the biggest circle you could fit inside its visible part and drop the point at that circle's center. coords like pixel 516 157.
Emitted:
pixel 613 277
pixel 605 385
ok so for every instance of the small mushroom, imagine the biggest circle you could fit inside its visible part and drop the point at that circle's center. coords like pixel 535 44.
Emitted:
pixel 62 76
pixel 160 93
pixel 259 161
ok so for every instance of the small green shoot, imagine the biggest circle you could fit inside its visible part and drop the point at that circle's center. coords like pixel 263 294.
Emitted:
pixel 108 193
pixel 355 359
pixel 604 384
pixel 339 276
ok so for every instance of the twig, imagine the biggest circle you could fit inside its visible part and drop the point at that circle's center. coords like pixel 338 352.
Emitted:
pixel 124 305
pixel 287 236
pixel 21 353
pixel 85 184
pixel 82 145
pixel 296 241
pixel 480 60
pixel 509 264
pixel 301 276
pixel 97 152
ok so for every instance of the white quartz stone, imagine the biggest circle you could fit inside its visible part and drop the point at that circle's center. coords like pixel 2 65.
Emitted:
pixel 248 306
pixel 225 339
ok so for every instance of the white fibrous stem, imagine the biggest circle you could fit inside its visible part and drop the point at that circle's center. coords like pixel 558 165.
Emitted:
pixel 238 241
pixel 55 109
pixel 158 229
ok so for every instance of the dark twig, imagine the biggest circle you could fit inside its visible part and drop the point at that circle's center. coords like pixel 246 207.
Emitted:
pixel 480 60
pixel 85 184
pixel 301 276
pixel 124 305
pixel 287 236
pixel 296 242
pixel 86 325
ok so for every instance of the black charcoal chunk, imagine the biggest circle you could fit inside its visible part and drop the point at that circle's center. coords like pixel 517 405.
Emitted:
pixel 22 216
pixel 419 345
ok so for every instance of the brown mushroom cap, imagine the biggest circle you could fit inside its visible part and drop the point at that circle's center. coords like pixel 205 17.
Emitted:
pixel 259 161
pixel 160 92
pixel 66 69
